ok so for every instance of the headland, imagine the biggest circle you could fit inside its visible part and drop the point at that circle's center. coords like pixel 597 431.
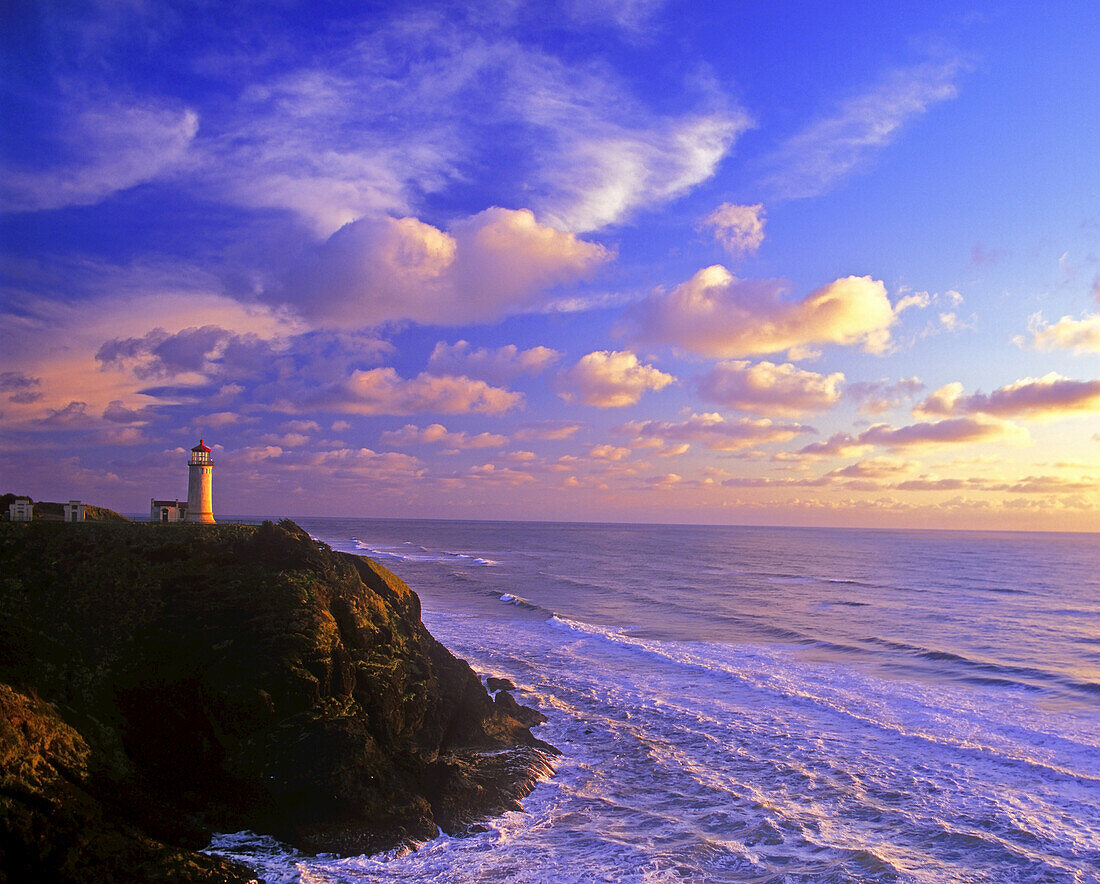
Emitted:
pixel 162 682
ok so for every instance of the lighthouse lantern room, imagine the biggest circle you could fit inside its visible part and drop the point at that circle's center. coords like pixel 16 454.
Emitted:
pixel 200 485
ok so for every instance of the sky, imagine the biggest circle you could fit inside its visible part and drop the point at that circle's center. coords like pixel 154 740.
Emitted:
pixel 785 263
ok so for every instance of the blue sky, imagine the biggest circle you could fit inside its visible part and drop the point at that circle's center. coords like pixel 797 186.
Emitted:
pixel 785 263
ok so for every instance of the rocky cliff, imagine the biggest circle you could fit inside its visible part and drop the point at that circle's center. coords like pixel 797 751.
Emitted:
pixel 163 681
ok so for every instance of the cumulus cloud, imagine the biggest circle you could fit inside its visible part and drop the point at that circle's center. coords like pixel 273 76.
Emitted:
pixel 1079 335
pixel 498 365
pixel 738 229
pixel 609 452
pixel 205 350
pixel 437 434
pixel 813 160
pixel 383 391
pixel 715 432
pixel 1047 398
pixel 769 388
pixel 717 315
pixel 102 150
pixel 610 379
pixel 497 262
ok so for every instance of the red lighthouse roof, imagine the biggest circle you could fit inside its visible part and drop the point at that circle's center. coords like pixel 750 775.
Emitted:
pixel 200 447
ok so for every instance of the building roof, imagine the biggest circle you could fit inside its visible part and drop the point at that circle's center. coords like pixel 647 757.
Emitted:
pixel 200 447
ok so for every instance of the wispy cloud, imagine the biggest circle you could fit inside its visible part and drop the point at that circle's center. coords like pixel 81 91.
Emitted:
pixel 812 161
pixel 100 150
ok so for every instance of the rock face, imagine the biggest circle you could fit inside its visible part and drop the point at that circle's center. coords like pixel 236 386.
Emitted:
pixel 165 681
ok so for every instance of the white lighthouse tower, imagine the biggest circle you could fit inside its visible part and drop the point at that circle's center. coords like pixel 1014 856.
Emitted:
pixel 200 486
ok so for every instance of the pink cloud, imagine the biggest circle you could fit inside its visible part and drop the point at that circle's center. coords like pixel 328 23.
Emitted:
pixel 495 263
pixel 437 434
pixel 717 315
pixel 738 229
pixel 769 388
pixel 1047 398
pixel 382 391
pixel 953 431
pixel 715 432
pixel 1079 335
pixel 610 379
pixel 500 365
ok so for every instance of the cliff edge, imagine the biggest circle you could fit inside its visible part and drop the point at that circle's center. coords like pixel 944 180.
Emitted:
pixel 162 682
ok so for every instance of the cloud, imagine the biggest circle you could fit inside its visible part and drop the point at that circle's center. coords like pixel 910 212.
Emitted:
pixel 610 379
pixel 381 391
pixel 738 229
pixel 358 465
pixel 101 150
pixel 715 432
pixel 609 452
pixel 604 171
pixel 382 118
pixel 499 366
pixel 1047 398
pixel 633 17
pixel 16 381
pixel 1080 335
pixel 953 431
pixel 837 445
pixel 876 397
pixel 715 314
pixel 204 350
pixel 117 412
pixel 495 263
pixel 768 388
pixel 875 468
pixel 437 434
pixel 547 430
pixel 812 161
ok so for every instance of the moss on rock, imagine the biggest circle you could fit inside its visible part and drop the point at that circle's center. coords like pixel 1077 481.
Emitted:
pixel 225 677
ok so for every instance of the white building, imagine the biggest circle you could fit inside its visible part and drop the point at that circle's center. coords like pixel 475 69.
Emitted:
pixel 200 485
pixel 167 510
pixel 21 510
pixel 74 511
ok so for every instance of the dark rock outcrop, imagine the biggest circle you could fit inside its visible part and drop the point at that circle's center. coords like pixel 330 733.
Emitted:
pixel 161 682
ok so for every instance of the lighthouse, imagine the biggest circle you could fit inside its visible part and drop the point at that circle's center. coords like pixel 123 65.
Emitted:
pixel 200 486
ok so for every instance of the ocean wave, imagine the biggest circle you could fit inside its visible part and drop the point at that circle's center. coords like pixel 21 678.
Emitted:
pixel 520 602
pixel 421 554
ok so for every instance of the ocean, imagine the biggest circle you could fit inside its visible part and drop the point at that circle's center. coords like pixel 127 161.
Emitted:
pixel 763 704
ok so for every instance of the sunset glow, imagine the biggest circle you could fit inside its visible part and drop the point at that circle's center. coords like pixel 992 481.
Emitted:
pixel 625 260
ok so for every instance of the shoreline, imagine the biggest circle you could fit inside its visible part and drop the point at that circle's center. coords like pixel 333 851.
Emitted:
pixel 294 688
